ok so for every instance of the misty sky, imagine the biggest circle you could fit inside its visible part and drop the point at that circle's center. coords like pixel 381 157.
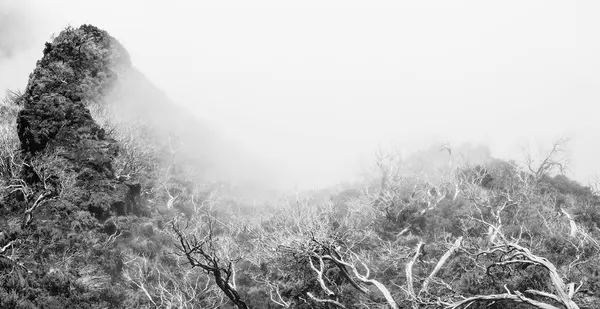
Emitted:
pixel 314 86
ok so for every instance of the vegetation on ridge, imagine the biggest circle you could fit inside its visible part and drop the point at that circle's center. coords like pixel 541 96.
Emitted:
pixel 100 213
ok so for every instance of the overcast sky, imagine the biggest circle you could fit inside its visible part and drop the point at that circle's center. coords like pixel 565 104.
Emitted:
pixel 316 83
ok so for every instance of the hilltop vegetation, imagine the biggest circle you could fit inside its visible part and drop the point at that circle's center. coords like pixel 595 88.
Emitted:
pixel 99 210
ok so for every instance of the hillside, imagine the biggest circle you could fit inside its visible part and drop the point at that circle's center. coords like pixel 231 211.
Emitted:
pixel 109 200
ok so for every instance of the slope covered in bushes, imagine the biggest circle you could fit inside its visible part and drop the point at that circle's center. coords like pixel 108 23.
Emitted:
pixel 103 210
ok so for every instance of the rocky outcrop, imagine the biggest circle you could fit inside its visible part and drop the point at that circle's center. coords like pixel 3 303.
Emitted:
pixel 64 147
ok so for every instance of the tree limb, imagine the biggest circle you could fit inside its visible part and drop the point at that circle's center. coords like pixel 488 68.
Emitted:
pixel 440 264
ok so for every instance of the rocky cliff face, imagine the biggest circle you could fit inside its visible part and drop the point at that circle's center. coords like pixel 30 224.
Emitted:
pixel 62 143
pixel 57 220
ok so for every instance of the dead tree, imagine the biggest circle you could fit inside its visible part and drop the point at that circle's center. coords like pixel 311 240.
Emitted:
pixel 508 253
pixel 504 253
pixel 515 254
pixel 204 253
pixel 550 161
pixel 358 274
pixel 348 263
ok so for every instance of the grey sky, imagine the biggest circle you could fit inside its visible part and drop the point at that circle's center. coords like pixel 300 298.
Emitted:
pixel 310 85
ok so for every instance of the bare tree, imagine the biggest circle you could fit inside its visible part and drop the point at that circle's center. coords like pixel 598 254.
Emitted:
pixel 511 253
pixel 552 160
pixel 203 251
pixel 505 252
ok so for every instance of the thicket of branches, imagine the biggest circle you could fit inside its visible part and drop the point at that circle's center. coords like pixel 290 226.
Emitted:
pixel 487 235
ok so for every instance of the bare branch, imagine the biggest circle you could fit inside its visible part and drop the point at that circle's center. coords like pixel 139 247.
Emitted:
pixel 331 252
pixel 440 264
pixel 28 214
pixel 409 267
pixel 320 274
pixel 545 294
pixel 325 301
pixel 517 297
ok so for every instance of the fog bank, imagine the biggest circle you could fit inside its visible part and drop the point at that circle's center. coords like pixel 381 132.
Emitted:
pixel 311 89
